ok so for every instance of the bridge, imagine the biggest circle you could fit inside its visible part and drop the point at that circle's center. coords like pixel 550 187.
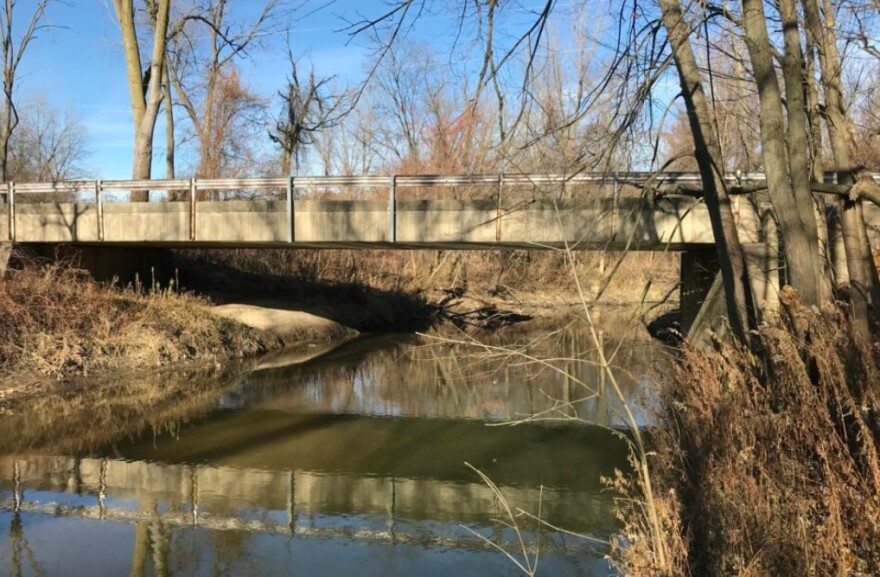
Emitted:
pixel 585 211
pixel 500 212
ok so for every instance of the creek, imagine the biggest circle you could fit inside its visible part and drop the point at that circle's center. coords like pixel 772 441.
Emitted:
pixel 359 461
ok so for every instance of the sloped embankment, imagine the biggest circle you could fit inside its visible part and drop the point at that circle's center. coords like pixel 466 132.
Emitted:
pixel 56 322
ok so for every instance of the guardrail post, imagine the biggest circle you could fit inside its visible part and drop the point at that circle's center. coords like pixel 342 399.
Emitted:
pixel 10 198
pixel 498 208
pixel 392 210
pixel 192 208
pixel 291 232
pixel 99 209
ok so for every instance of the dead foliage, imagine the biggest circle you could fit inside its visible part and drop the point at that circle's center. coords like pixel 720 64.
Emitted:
pixel 56 321
pixel 768 458
pixel 646 275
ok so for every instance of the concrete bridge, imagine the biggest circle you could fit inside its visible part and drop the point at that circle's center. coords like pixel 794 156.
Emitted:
pixel 508 212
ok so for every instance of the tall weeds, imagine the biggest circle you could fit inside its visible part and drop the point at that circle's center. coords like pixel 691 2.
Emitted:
pixel 767 459
pixel 56 321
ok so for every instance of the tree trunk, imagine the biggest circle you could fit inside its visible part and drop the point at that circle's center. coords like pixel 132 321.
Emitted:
pixel 852 223
pixel 125 15
pixel 145 100
pixel 169 124
pixel 707 150
pixel 800 249
pixel 817 169
pixel 285 162
pixel 798 140
pixel 5 135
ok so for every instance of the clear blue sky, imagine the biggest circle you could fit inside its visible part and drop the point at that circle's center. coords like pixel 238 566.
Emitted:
pixel 77 64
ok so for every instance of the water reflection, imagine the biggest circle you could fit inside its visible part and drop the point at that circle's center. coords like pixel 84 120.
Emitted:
pixel 352 462
pixel 435 379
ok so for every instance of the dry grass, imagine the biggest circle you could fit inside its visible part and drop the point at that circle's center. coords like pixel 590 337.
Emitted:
pixel 768 459
pixel 55 321
pixel 481 273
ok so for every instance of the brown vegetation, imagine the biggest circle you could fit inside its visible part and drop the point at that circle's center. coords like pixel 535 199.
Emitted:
pixel 55 321
pixel 531 280
pixel 768 459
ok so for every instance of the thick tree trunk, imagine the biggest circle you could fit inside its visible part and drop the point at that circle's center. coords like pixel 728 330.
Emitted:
pixel 817 168
pixel 852 223
pixel 5 135
pixel 145 100
pixel 707 150
pixel 285 162
pixel 143 161
pixel 798 141
pixel 800 248
pixel 125 15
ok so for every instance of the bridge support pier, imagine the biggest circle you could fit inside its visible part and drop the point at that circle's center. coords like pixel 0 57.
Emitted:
pixel 698 271
pixel 703 302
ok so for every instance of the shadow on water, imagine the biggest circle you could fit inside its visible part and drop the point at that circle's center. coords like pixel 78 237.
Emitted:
pixel 352 461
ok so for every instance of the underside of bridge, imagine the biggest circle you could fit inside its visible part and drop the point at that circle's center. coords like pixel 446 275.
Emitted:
pixel 120 264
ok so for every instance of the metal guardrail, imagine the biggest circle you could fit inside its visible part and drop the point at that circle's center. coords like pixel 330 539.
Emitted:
pixel 289 184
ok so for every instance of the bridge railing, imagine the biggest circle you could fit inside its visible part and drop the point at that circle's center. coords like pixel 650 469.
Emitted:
pixel 187 190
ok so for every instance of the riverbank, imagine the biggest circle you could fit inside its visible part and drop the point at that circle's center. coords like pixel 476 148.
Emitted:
pixel 765 459
pixel 374 292
pixel 57 324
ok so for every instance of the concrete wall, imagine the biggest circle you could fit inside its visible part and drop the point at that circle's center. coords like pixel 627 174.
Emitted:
pixel 698 272
pixel 5 251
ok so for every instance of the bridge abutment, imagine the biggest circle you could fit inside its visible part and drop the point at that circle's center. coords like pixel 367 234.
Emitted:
pixel 698 271
pixel 125 265
pixel 5 252
pixel 702 299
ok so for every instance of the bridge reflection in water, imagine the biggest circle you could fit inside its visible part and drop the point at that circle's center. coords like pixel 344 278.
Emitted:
pixel 353 480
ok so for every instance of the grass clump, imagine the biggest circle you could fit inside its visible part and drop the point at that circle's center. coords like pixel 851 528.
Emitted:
pixel 768 458
pixel 55 321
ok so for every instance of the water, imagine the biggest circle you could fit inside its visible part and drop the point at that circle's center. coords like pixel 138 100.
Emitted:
pixel 362 461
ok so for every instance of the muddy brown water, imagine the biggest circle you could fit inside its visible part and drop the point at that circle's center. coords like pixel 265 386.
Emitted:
pixel 361 461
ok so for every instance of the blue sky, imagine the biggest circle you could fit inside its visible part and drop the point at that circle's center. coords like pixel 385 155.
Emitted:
pixel 78 65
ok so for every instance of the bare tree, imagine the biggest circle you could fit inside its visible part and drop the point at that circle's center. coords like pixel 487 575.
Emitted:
pixel 13 51
pixel 308 108
pixel 350 148
pixel 49 146
pixel 707 151
pixel 865 286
